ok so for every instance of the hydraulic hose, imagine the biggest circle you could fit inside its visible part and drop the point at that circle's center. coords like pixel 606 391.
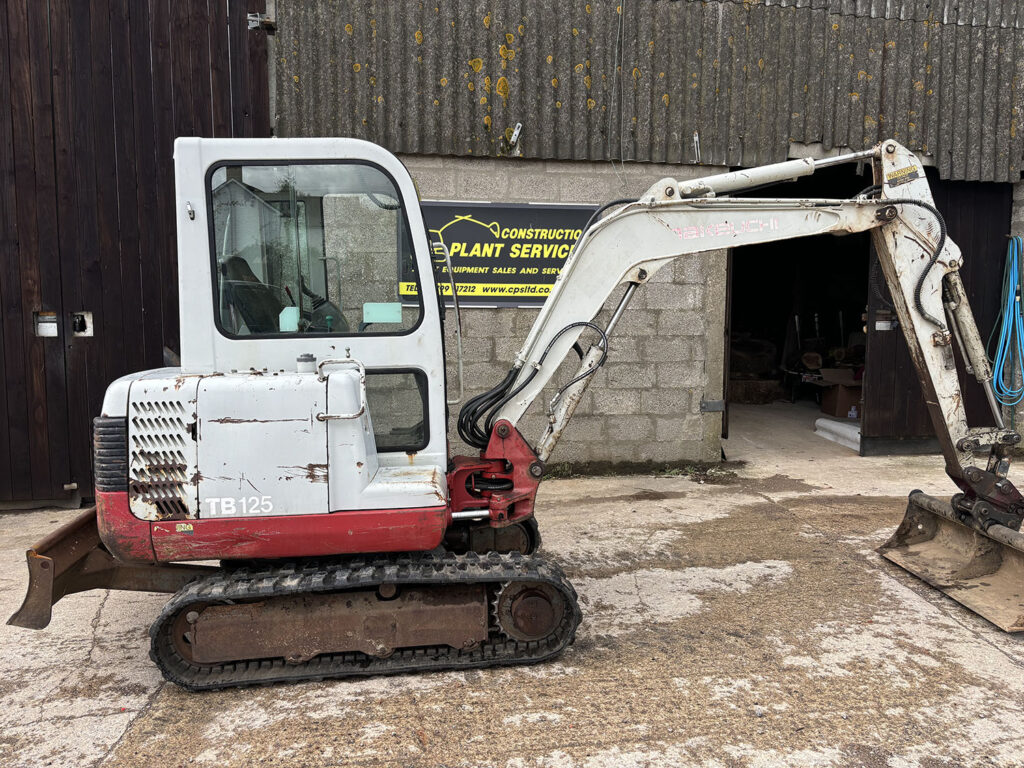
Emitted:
pixel 931 261
pixel 1009 357
pixel 485 407
pixel 872 191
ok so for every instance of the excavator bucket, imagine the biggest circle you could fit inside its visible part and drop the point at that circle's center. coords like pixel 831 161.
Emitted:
pixel 982 571
pixel 72 559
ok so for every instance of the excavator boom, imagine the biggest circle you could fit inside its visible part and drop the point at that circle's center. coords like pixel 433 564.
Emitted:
pixel 967 547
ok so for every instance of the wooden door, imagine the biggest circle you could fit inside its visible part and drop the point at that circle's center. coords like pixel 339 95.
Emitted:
pixel 92 96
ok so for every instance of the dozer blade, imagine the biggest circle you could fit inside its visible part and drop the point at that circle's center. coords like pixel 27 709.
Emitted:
pixel 982 571
pixel 72 559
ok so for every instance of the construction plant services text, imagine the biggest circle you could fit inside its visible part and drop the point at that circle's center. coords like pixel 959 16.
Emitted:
pixel 500 253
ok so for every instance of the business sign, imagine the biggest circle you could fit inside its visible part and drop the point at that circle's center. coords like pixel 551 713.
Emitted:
pixel 502 254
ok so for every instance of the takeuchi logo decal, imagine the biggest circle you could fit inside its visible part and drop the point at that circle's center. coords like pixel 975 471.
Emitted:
pixel 502 253
pixel 727 228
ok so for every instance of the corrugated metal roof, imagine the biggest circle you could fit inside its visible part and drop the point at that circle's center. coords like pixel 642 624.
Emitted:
pixel 722 82
pixel 983 13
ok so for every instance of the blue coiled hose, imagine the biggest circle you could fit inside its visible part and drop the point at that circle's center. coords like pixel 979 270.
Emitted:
pixel 1009 359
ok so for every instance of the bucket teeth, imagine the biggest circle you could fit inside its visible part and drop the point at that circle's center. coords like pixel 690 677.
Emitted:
pixel 980 572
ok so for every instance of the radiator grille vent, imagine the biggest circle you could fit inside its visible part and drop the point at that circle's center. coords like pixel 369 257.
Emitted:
pixel 110 453
pixel 159 439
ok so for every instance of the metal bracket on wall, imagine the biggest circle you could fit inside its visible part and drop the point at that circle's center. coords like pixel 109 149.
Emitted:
pixel 262 21
pixel 712 406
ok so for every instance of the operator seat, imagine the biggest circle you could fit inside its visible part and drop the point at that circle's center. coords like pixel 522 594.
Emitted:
pixel 253 299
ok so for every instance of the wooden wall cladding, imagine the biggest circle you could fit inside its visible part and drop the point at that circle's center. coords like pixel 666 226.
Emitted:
pixel 92 96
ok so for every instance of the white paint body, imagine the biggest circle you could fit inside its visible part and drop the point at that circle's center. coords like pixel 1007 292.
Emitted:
pixel 239 412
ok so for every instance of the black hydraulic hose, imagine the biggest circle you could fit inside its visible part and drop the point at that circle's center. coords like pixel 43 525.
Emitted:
pixel 934 257
pixel 468 422
pixel 489 403
pixel 492 416
pixel 474 410
pixel 480 484
pixel 486 406
pixel 597 214
pixel 873 276
pixel 589 371
pixel 477 406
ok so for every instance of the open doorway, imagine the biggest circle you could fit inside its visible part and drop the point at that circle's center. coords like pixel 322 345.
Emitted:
pixel 797 341
pixel 853 380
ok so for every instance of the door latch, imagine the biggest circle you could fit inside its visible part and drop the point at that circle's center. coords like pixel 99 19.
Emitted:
pixel 262 21
pixel 81 324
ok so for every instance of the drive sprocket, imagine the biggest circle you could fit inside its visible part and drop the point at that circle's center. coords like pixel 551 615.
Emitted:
pixel 526 611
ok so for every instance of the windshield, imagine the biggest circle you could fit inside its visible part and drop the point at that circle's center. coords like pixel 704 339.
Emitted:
pixel 311 249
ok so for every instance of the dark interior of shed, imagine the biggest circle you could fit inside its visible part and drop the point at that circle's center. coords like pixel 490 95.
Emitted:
pixel 797 308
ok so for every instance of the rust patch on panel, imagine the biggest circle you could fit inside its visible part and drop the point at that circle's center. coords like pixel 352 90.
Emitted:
pixel 314 473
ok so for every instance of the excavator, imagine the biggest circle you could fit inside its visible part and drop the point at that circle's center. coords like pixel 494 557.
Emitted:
pixel 290 483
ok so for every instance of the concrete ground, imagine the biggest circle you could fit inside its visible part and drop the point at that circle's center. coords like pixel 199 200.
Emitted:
pixel 740 624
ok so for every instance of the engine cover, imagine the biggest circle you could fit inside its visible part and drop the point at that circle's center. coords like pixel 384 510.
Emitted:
pixel 261 449
pixel 262 444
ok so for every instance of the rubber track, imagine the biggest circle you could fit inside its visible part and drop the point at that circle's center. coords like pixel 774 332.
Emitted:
pixel 363 573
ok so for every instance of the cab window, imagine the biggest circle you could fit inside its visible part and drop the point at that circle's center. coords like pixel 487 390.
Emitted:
pixel 398 408
pixel 320 248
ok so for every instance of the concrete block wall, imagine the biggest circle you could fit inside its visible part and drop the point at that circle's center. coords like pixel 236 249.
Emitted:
pixel 360 248
pixel 666 354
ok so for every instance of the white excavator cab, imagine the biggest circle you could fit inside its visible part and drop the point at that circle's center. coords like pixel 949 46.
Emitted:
pixel 311 348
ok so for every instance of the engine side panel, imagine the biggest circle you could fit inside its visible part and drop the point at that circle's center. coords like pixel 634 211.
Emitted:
pixel 262 451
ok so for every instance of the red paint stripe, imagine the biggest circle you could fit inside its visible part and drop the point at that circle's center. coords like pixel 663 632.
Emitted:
pixel 337 533
pixel 125 536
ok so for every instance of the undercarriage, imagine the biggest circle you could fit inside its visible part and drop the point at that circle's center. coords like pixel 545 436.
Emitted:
pixel 259 622
pixel 387 615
